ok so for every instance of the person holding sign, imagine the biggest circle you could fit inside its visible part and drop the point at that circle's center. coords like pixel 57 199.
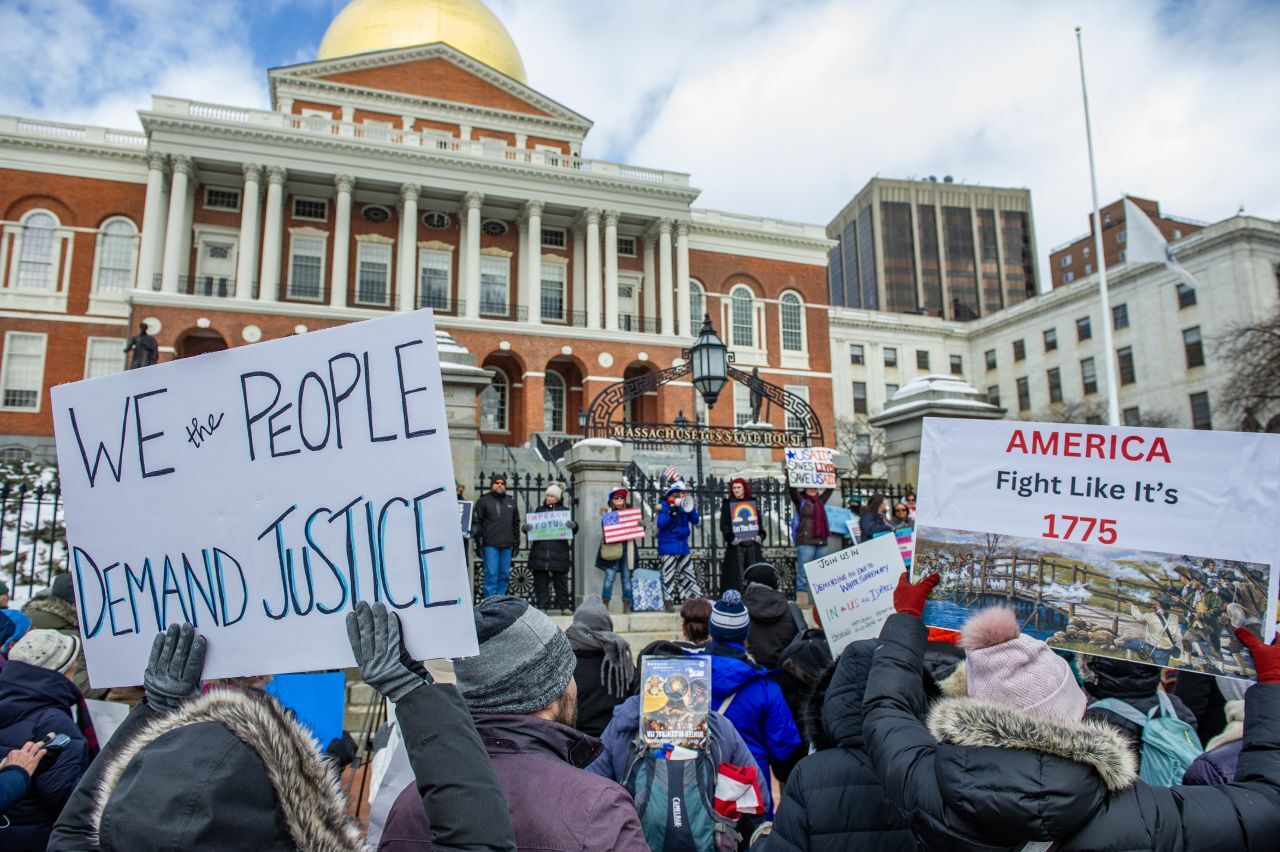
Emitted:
pixel 496 530
pixel 620 527
pixel 742 534
pixel 676 519
pixel 550 558
pixel 1032 771
pixel 810 531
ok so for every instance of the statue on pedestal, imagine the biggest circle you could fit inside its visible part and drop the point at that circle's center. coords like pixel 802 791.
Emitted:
pixel 143 347
pixel 757 398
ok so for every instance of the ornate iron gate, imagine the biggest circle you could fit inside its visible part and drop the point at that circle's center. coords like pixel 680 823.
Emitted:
pixel 528 491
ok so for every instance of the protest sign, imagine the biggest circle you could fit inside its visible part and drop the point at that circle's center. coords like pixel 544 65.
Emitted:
pixel 810 467
pixel 1122 542
pixel 745 517
pixel 259 493
pixel 853 589
pixel 906 544
pixel 855 531
pixel 675 700
pixel 549 526
pixel 107 717
pixel 839 518
pixel 464 516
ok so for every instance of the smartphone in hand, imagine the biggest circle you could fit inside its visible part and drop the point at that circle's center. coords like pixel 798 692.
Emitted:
pixel 54 741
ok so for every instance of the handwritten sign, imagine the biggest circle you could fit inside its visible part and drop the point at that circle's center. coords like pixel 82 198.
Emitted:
pixel 465 508
pixel 853 589
pixel 259 493
pixel 811 467
pixel 549 526
pixel 745 518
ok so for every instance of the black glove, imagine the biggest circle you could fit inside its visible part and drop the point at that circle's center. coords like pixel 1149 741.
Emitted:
pixel 174 670
pixel 384 663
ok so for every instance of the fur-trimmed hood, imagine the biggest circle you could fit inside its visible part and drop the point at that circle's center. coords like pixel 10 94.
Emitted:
pixel 227 771
pixel 50 612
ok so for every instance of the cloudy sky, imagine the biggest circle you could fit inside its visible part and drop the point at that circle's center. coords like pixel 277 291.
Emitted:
pixel 776 107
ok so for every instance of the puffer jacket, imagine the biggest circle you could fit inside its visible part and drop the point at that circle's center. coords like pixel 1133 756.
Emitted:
pixel 674 528
pixel 775 621
pixel 982 776
pixel 1133 683
pixel 833 799
pixel 554 556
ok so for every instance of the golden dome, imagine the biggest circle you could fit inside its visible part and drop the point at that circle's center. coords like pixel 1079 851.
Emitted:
pixel 365 26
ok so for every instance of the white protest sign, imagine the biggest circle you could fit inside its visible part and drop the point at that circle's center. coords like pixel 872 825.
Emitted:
pixel 853 589
pixel 1145 544
pixel 810 467
pixel 549 526
pixel 259 493
pixel 107 717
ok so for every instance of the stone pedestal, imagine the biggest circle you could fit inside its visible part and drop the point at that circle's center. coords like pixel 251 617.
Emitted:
pixel 597 466
pixel 903 420
pixel 758 462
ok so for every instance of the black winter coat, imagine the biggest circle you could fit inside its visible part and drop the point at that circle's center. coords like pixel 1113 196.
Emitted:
pixel 801 666
pixel 1133 683
pixel 981 776
pixel 554 556
pixel 495 521
pixel 775 621
pixel 737 557
pixel 833 799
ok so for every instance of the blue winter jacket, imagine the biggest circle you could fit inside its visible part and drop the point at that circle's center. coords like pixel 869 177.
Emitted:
pixel 674 527
pixel 13 786
pixel 758 710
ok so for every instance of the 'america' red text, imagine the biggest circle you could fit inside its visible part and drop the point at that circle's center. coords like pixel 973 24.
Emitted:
pixel 1089 445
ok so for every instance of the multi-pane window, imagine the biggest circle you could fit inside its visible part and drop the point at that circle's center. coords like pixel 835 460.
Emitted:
pixel 857 354
pixel 1193 346
pixel 435 268
pixel 859 397
pixel 495 284
pixel 1120 316
pixel 23 371
pixel 1084 328
pixel 1019 350
pixel 889 390
pixel 373 273
pixel 993 394
pixel 743 312
pixel 890 356
pixel 957 365
pixel 1050 339
pixel 990 356
pixel 1132 416
pixel 801 391
pixel 553 397
pixel 1024 394
pixel 1089 375
pixel 741 404
pixel 792 311
pixel 218 198
pixel 552 295
pixel 922 359
pixel 1200 416
pixel 627 246
pixel 1127 373
pixel 306 268
pixel 316 209
pixel 697 305
pixel 103 356
pixel 1186 295
pixel 1054 376
pixel 493 404
pixel 35 261
pixel 117 249
pixel 553 237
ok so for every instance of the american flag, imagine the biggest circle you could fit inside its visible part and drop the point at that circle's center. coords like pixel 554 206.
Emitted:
pixel 622 525
pixel 670 474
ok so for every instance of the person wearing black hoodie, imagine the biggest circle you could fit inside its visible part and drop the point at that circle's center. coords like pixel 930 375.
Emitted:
pixel 833 799
pixel 1135 684
pixel 738 555
pixel 775 621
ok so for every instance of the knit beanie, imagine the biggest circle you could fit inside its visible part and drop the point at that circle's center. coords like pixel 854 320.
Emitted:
pixel 525 662
pixel 729 619
pixel 762 573
pixel 553 490
pixel 47 649
pixel 1005 666
pixel 61 588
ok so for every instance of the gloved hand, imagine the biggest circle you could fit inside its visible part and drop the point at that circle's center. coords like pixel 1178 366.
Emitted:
pixel 525 527
pixel 384 663
pixel 174 670
pixel 910 597
pixel 1266 658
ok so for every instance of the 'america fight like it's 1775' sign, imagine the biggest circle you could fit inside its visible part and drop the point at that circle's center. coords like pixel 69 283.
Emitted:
pixel 259 493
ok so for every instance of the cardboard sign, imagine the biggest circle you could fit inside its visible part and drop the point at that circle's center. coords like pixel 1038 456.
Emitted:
pixel 675 699
pixel 549 526
pixel 853 589
pixel 1121 542
pixel 811 467
pixel 465 508
pixel 259 493
pixel 745 517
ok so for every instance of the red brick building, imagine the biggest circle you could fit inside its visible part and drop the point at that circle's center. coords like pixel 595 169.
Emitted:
pixel 1075 259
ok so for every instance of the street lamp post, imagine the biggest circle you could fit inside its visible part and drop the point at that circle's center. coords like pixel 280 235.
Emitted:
pixel 709 362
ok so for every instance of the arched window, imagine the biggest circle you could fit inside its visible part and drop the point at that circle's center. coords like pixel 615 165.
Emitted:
pixel 493 404
pixel 35 261
pixel 553 396
pixel 117 252
pixel 697 305
pixel 743 316
pixel 792 310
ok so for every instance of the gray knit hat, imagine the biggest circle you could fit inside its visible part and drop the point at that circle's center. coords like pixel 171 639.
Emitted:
pixel 525 662
pixel 47 649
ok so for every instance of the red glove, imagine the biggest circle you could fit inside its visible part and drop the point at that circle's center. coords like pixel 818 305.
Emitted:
pixel 1266 658
pixel 910 597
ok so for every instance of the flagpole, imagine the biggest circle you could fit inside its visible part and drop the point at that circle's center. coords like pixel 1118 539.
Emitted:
pixel 1109 356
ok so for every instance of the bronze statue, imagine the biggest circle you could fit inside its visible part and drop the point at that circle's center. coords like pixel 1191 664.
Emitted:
pixel 144 349
pixel 757 398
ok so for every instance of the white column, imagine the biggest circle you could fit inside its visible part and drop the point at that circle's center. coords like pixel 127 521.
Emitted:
pixel 682 279
pixel 650 286
pixel 471 204
pixel 532 251
pixel 153 220
pixel 176 225
pixel 340 274
pixel 407 257
pixel 522 265
pixel 273 232
pixel 579 269
pixel 611 270
pixel 247 254
pixel 593 268
pixel 667 302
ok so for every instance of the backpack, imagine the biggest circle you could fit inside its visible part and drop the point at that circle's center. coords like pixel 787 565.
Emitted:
pixel 1169 745
pixel 675 801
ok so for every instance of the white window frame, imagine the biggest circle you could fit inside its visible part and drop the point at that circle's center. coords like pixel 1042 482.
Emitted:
pixel 117 343
pixel 313 200
pixel 634 246
pixel 696 288
pixel 308 234
pixel 505 409
pixel 564 237
pixel 204 198
pixel 57 261
pixel 9 337
pixel 99 253
pixel 1068 277
pixel 443 258
pixel 801 391
pixel 493 261
pixel 741 404
pixel 370 246
pixel 560 276
pixel 782 330
pixel 733 320
pixel 551 381
pixel 1066 260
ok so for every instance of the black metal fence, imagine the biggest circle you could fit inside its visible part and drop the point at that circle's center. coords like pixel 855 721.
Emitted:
pixel 33 542
pixel 528 491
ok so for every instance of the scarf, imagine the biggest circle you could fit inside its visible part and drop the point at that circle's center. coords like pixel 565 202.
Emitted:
pixel 591 631
pixel 85 724
pixel 821 529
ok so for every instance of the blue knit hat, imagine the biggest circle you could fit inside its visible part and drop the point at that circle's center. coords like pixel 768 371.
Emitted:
pixel 729 619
